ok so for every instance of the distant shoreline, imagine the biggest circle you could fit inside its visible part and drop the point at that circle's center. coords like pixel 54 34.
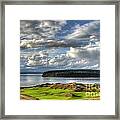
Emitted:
pixel 23 73
pixel 66 73
pixel 72 73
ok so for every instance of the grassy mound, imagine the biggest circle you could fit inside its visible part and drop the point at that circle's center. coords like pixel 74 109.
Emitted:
pixel 40 93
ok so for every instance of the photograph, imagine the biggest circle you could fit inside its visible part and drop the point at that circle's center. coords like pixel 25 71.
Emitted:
pixel 59 59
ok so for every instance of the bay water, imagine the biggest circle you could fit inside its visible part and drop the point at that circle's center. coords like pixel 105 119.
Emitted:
pixel 33 79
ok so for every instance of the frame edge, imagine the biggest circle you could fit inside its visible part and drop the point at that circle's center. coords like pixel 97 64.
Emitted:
pixel 2 64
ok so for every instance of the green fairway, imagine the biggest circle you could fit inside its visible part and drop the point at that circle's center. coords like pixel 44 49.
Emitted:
pixel 39 93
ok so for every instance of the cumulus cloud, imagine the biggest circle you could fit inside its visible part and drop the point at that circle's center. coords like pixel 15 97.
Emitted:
pixel 84 30
pixel 89 55
pixel 58 60
pixel 43 58
pixel 79 49
pixel 42 43
pixel 54 43
pixel 38 58
pixel 42 33
pixel 37 29
pixel 73 58
pixel 92 66
pixel 81 58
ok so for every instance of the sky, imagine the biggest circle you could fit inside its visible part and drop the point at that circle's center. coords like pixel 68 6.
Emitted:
pixel 59 44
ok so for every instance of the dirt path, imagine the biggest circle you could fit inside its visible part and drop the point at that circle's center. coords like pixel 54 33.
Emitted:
pixel 26 97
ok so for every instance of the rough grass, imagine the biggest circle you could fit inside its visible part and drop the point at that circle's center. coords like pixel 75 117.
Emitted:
pixel 47 93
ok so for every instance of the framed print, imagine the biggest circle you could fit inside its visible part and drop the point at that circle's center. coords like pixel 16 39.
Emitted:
pixel 60 60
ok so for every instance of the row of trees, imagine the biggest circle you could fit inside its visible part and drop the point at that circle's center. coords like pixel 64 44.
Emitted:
pixel 72 73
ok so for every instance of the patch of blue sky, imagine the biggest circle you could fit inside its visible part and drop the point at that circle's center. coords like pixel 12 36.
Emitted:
pixel 69 27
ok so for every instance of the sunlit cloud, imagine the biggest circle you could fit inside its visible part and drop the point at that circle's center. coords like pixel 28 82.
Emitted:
pixel 84 30
pixel 42 48
pixel 40 28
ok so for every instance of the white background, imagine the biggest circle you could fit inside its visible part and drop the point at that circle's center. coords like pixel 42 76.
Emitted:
pixel 13 15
